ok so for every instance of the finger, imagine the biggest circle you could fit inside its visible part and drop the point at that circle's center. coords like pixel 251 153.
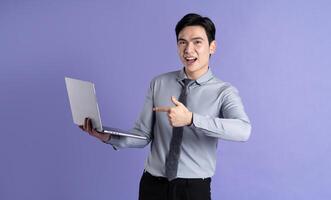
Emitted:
pixel 85 124
pixel 89 125
pixel 170 119
pixel 95 132
pixel 170 116
pixel 170 122
pixel 161 109
pixel 175 101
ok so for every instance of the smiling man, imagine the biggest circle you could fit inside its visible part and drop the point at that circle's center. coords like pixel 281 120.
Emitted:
pixel 184 115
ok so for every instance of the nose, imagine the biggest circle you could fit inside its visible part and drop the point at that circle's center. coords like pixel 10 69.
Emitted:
pixel 188 48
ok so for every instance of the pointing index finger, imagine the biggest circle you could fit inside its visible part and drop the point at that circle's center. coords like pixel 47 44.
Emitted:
pixel 161 109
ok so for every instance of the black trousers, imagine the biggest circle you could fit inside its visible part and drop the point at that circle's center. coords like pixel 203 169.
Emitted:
pixel 159 188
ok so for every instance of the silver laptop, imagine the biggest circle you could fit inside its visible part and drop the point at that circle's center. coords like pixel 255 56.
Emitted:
pixel 83 103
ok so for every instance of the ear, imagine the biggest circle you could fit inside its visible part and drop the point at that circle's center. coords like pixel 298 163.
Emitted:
pixel 212 47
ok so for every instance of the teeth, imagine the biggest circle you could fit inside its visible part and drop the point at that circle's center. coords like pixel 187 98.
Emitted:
pixel 189 58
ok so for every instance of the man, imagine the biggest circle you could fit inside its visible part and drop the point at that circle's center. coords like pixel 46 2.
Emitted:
pixel 184 115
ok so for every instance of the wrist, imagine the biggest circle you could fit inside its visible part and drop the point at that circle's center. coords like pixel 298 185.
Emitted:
pixel 106 138
pixel 190 119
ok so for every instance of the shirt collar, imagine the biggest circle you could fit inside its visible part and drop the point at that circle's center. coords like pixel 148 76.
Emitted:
pixel 202 80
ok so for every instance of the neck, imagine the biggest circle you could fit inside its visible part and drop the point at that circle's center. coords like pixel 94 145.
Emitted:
pixel 196 74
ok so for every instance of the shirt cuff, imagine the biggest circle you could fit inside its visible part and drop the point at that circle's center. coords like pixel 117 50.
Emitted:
pixel 196 122
pixel 113 141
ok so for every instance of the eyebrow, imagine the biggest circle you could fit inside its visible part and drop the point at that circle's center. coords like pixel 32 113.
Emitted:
pixel 195 38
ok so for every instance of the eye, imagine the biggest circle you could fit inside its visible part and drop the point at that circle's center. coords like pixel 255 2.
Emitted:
pixel 181 42
pixel 197 42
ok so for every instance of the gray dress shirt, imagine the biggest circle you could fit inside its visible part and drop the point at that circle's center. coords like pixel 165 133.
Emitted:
pixel 218 112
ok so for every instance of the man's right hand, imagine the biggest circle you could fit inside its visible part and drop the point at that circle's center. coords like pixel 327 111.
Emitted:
pixel 88 127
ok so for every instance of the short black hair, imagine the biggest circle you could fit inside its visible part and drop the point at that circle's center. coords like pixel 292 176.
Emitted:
pixel 193 19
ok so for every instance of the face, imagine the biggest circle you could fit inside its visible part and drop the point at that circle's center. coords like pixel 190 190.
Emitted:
pixel 194 50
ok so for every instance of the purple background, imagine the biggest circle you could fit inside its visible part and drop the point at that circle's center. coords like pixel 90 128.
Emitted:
pixel 277 53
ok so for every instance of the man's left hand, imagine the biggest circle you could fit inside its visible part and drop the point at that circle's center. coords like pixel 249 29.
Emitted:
pixel 178 115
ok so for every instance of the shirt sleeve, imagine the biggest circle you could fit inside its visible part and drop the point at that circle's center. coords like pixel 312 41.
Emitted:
pixel 233 123
pixel 143 126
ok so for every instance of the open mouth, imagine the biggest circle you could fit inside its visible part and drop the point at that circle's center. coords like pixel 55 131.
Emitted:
pixel 190 60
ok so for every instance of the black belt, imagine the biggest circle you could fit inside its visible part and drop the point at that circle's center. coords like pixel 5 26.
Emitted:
pixel 161 178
